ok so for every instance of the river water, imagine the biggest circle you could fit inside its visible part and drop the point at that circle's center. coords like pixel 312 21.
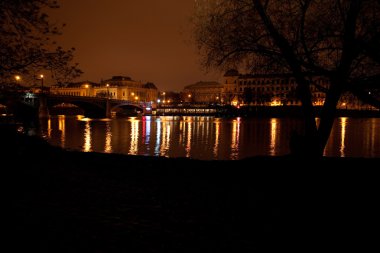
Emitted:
pixel 206 138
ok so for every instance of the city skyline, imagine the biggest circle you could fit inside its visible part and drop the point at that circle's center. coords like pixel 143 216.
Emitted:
pixel 145 40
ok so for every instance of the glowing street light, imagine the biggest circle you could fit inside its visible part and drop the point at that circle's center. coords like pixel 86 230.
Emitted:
pixel 42 80
pixel 86 86
pixel 18 79
pixel 108 92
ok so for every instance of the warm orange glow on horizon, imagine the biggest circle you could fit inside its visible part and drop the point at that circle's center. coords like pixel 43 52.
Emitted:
pixel 276 103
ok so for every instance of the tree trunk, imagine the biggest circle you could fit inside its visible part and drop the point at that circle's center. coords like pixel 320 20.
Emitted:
pixel 309 145
pixel 328 114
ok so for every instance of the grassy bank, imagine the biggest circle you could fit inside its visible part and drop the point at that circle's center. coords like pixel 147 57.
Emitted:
pixel 62 201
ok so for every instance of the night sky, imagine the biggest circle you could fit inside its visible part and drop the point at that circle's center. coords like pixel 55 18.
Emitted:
pixel 147 40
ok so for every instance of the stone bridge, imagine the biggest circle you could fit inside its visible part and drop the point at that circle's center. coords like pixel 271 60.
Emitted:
pixel 94 107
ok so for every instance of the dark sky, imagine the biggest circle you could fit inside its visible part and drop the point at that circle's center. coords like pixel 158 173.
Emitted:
pixel 147 40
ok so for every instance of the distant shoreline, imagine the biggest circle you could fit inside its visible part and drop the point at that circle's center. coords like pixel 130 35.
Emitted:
pixel 223 111
pixel 272 111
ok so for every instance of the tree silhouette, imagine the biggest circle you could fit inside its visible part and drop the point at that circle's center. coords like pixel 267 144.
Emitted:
pixel 336 39
pixel 26 45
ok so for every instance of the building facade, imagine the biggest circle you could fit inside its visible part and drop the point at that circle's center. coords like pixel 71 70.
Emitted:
pixel 265 90
pixel 84 88
pixel 203 92
pixel 268 89
pixel 118 87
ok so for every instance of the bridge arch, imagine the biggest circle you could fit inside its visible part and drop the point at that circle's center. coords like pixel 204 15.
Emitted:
pixel 91 109
pixel 94 107
pixel 126 109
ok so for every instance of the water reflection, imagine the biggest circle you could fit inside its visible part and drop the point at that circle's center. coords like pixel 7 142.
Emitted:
pixel 165 143
pixel 343 124
pixel 273 136
pixel 373 136
pixel 62 130
pixel 146 129
pixel 158 137
pixel 108 140
pixel 134 137
pixel 205 138
pixel 188 137
pixel 235 139
pixel 49 128
pixel 87 137
pixel 217 136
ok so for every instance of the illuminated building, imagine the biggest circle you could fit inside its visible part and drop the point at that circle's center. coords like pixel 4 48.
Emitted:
pixel 85 88
pixel 258 90
pixel 264 90
pixel 124 88
pixel 118 87
pixel 203 92
pixel 268 89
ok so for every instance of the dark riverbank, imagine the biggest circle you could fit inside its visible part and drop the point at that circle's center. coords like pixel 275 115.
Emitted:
pixel 292 111
pixel 90 202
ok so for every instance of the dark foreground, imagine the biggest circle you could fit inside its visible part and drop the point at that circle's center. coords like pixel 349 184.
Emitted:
pixel 114 203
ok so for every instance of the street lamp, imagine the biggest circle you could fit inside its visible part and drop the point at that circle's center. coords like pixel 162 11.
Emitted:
pixel 108 93
pixel 42 81
pixel 86 86
pixel 18 79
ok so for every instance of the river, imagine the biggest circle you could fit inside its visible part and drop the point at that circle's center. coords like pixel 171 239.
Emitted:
pixel 205 138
